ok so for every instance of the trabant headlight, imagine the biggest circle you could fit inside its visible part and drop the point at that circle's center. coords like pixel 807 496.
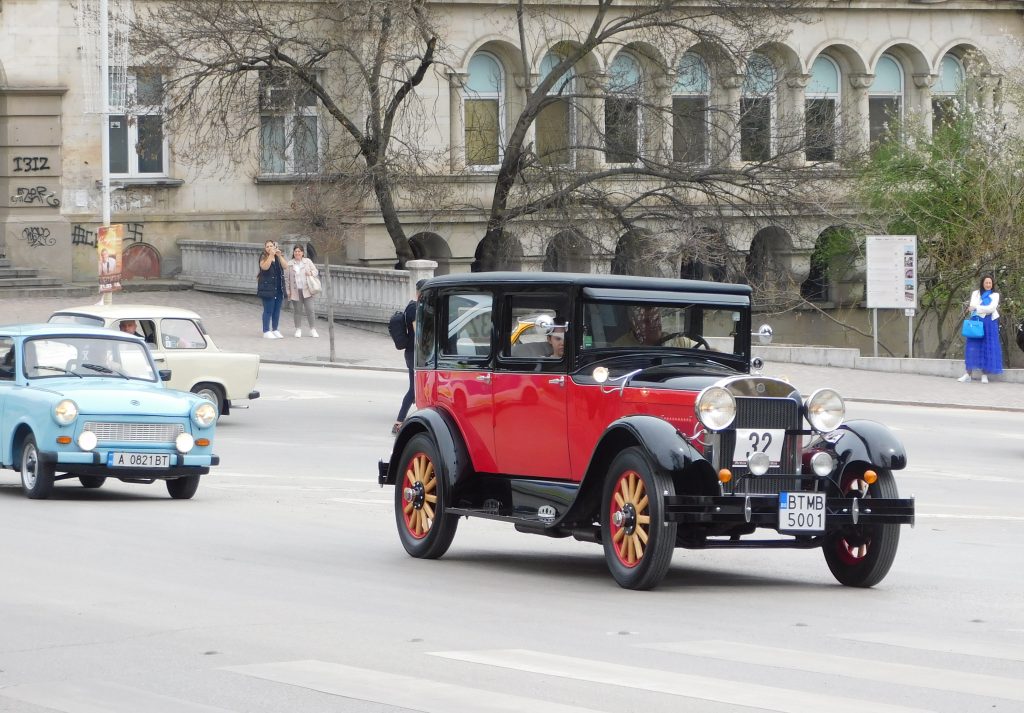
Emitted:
pixel 716 408
pixel 825 410
pixel 184 442
pixel 87 440
pixel 204 414
pixel 65 412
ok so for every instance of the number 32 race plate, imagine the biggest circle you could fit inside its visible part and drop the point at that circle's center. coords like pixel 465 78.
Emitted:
pixel 802 512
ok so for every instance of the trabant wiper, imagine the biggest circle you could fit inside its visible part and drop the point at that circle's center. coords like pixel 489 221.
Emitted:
pixel 105 370
pixel 61 369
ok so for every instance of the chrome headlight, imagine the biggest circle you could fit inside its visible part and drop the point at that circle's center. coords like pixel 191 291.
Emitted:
pixel 716 408
pixel 204 414
pixel 825 410
pixel 184 442
pixel 65 412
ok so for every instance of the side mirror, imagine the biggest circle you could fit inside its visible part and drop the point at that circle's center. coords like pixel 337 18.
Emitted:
pixel 165 374
pixel 764 334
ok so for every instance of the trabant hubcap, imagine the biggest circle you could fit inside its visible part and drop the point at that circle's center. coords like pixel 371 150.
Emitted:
pixel 29 465
pixel 630 518
pixel 419 493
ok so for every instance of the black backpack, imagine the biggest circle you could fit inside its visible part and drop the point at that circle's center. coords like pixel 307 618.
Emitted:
pixel 397 330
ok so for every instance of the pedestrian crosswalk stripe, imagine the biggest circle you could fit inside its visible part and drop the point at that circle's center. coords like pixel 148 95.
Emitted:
pixel 390 689
pixel 735 693
pixel 946 644
pixel 100 697
pixel 936 679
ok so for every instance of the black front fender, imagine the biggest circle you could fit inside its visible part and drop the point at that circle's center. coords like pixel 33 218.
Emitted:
pixel 869 442
pixel 455 463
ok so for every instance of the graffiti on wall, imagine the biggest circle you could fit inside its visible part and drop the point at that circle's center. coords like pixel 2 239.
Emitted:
pixel 124 200
pixel 37 236
pixel 83 235
pixel 36 194
pixel 31 163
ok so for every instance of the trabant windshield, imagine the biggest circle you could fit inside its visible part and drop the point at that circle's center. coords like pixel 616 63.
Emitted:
pixel 86 357
pixel 640 326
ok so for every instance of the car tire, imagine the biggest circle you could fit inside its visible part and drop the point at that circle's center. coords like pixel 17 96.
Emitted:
pixel 861 555
pixel 36 476
pixel 183 488
pixel 212 393
pixel 421 501
pixel 638 541
pixel 92 481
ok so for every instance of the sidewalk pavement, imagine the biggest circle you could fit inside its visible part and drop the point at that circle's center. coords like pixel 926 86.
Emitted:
pixel 234 323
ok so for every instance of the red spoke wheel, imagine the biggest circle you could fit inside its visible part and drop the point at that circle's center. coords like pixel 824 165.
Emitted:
pixel 861 555
pixel 421 499
pixel 638 542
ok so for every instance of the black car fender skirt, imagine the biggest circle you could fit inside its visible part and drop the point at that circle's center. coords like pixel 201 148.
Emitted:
pixel 455 463
pixel 870 442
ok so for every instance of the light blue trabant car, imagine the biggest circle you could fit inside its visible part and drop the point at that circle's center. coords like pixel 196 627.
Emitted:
pixel 88 403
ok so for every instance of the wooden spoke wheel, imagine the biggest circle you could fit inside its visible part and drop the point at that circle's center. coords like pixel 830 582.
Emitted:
pixel 638 542
pixel 861 555
pixel 421 494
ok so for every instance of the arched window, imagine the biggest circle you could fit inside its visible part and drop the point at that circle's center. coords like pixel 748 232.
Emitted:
pixel 885 100
pixel 948 89
pixel 622 111
pixel 689 110
pixel 554 125
pixel 484 101
pixel 756 109
pixel 821 110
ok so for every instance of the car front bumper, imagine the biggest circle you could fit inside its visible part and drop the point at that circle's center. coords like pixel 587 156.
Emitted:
pixel 763 510
pixel 95 463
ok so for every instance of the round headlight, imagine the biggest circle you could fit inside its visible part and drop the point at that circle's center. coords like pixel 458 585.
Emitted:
pixel 822 463
pixel 716 408
pixel 86 440
pixel 759 463
pixel 204 414
pixel 184 442
pixel 65 412
pixel 825 410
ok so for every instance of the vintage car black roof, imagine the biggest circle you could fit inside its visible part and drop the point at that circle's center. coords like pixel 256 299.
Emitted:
pixel 625 282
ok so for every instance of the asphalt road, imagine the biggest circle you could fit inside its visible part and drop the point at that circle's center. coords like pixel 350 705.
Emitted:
pixel 282 587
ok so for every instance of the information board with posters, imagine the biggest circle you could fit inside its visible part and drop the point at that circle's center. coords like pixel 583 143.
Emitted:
pixel 891 271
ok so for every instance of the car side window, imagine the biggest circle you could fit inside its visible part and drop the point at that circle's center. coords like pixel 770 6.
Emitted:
pixel 6 359
pixel 536 327
pixel 181 334
pixel 468 325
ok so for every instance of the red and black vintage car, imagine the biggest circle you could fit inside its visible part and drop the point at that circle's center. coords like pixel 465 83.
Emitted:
pixel 623 411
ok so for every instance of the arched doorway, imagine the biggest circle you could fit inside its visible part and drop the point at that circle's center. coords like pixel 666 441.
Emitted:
pixel 567 251
pixel 829 260
pixel 431 246
pixel 503 254
pixel 140 260
pixel 636 254
pixel 704 256
pixel 764 268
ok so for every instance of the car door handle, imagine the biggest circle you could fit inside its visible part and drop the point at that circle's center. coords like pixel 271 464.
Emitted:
pixel 486 378
pixel 159 358
pixel 557 381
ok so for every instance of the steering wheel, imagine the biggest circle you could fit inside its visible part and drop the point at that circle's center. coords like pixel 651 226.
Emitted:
pixel 701 342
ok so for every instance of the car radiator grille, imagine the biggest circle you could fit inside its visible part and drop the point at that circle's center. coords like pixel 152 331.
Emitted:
pixel 765 413
pixel 134 432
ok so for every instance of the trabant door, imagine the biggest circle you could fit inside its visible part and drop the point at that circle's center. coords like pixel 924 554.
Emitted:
pixel 529 387
pixel 8 374
pixel 181 347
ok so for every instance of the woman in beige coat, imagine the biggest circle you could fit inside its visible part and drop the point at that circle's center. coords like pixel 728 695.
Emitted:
pixel 297 286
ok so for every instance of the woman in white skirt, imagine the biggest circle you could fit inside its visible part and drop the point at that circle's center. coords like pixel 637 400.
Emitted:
pixel 299 269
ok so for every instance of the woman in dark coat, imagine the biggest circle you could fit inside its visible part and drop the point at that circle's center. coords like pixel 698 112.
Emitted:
pixel 270 288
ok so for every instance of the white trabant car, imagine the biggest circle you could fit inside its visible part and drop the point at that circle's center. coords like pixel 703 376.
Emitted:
pixel 179 342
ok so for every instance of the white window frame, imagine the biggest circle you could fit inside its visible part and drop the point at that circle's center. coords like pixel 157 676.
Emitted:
pixel 567 81
pixel 772 97
pixel 706 96
pixel 499 96
pixel 836 97
pixel 125 105
pixel 289 115
pixel 640 134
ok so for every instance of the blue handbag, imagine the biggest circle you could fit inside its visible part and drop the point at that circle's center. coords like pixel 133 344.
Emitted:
pixel 973 328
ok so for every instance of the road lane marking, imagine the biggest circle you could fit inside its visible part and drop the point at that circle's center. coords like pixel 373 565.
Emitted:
pixel 101 697
pixel 719 690
pixel 391 689
pixel 936 679
pixel 952 516
pixel 361 501
pixel 944 644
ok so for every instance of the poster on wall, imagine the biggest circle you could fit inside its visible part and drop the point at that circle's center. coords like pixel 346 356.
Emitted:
pixel 109 241
pixel 891 271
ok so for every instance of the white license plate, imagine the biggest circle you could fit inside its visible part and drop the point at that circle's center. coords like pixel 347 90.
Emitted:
pixel 118 459
pixel 801 512
pixel 758 440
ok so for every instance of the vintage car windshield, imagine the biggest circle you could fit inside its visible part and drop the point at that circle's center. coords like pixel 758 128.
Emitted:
pixel 641 325
pixel 86 357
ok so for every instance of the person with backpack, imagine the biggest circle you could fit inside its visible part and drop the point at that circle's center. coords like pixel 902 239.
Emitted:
pixel 410 343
